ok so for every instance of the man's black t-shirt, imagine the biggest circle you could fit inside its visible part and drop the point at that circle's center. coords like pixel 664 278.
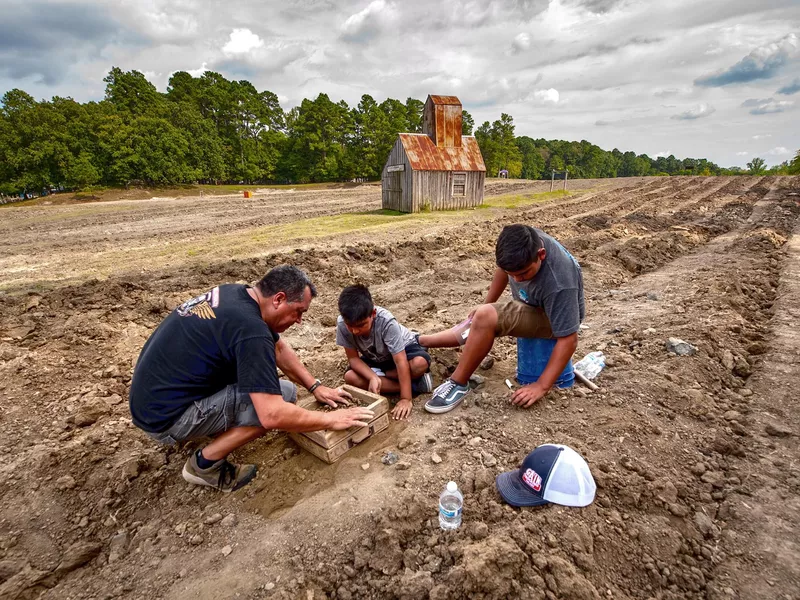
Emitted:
pixel 205 344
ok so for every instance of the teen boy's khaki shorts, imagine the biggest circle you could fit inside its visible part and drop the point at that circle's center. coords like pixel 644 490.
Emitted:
pixel 518 319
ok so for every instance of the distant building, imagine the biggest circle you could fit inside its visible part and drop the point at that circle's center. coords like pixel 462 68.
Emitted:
pixel 437 169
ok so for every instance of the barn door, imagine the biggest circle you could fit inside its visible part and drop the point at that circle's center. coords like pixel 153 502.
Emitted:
pixel 394 190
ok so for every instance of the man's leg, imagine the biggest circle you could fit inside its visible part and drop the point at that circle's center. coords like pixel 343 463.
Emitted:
pixel 480 341
pixel 449 338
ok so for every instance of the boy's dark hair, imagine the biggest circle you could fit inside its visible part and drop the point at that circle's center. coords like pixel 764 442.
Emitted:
pixel 517 247
pixel 355 303
pixel 287 279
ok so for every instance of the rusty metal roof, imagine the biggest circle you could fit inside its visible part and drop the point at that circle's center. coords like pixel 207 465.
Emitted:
pixel 424 155
pixel 445 100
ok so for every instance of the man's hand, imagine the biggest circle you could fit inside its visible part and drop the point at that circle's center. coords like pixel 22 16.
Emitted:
pixel 348 417
pixel 374 385
pixel 528 395
pixel 332 397
pixel 402 409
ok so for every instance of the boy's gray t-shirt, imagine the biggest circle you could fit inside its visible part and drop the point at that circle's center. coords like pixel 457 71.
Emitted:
pixel 387 337
pixel 557 288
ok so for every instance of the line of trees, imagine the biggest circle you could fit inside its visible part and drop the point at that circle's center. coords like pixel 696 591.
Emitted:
pixel 210 129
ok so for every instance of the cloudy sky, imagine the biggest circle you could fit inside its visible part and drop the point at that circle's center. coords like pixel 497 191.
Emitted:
pixel 700 78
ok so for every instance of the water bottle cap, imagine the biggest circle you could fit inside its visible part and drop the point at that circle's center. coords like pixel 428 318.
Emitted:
pixel 452 486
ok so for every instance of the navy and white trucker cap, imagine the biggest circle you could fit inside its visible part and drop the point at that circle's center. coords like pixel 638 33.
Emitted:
pixel 551 473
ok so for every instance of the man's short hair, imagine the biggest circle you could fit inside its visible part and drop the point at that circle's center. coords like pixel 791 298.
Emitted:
pixel 287 279
pixel 355 303
pixel 517 247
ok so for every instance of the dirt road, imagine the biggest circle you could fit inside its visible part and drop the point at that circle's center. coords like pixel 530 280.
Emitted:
pixel 696 457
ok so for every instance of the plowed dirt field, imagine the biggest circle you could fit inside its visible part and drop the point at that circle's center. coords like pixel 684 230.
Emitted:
pixel 696 457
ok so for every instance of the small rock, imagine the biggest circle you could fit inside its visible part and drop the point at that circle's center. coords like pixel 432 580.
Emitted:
pixel 679 347
pixel 211 519
pixel 269 586
pixel 131 468
pixel 745 392
pixel 365 467
pixel 65 482
pixel 430 438
pixel 655 296
pixel 404 443
pixel 390 458
pixel 679 510
pixel 698 469
pixel 429 306
pixel 464 429
pixel 704 523
pixel 77 555
pixel 727 359
pixel 196 539
pixel 476 381
pixel 487 363
pixel 480 530
pixel 488 459
pixel 435 458
pixel 229 521
pixel 403 466
pixel 475 441
pixel 732 415
pixel 118 546
pixel 226 550
pixel 777 430
pixel 714 478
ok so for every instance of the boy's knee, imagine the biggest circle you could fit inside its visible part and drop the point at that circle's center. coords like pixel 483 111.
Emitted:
pixel 351 377
pixel 485 316
pixel 418 366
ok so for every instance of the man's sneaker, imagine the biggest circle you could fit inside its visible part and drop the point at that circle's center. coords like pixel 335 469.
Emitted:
pixel 422 385
pixel 224 476
pixel 446 397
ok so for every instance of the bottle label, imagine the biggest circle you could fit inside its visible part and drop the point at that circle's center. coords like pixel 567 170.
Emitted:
pixel 449 514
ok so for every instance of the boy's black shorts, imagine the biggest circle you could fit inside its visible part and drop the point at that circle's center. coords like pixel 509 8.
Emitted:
pixel 412 351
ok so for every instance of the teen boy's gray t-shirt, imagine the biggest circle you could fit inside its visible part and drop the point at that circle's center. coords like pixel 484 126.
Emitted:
pixel 557 288
pixel 387 337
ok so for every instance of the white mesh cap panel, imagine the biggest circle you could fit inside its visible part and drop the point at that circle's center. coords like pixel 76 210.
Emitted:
pixel 570 483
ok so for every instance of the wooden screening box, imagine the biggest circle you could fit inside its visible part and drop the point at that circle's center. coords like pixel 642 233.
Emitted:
pixel 330 446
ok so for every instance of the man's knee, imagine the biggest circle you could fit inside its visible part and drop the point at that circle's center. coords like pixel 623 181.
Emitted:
pixel 288 391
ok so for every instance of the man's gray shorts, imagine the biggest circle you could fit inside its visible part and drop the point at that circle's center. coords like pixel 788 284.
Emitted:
pixel 209 417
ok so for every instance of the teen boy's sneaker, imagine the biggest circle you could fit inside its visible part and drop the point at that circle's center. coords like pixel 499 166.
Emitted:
pixel 224 476
pixel 422 385
pixel 446 397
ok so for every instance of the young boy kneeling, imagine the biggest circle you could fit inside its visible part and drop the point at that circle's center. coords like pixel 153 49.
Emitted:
pixel 384 356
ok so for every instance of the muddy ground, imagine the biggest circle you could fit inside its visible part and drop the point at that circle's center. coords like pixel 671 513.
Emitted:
pixel 696 457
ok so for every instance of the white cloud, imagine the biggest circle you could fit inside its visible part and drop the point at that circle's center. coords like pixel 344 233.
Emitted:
pixel 697 112
pixel 662 154
pixel 742 153
pixel 761 136
pixel 779 151
pixel 198 72
pixel 549 96
pixel 242 41
pixel 369 22
pixel 520 43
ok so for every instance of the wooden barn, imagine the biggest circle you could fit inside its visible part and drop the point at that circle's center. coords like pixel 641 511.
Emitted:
pixel 437 169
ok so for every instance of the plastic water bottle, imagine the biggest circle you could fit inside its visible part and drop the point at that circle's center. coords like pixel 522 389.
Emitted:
pixel 450 503
pixel 591 364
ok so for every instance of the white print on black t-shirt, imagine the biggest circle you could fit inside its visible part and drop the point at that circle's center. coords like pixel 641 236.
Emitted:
pixel 202 306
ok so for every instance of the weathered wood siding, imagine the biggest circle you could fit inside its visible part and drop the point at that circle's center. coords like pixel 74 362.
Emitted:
pixel 394 198
pixel 433 190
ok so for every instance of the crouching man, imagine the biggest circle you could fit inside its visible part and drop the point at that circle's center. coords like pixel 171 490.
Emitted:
pixel 210 370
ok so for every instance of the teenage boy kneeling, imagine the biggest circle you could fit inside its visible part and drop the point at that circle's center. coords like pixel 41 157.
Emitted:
pixel 547 289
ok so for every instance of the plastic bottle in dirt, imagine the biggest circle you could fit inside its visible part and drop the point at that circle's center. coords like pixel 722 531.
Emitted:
pixel 450 503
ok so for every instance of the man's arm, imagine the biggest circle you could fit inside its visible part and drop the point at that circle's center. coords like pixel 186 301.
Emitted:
pixel 275 413
pixel 289 363
pixel 564 349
